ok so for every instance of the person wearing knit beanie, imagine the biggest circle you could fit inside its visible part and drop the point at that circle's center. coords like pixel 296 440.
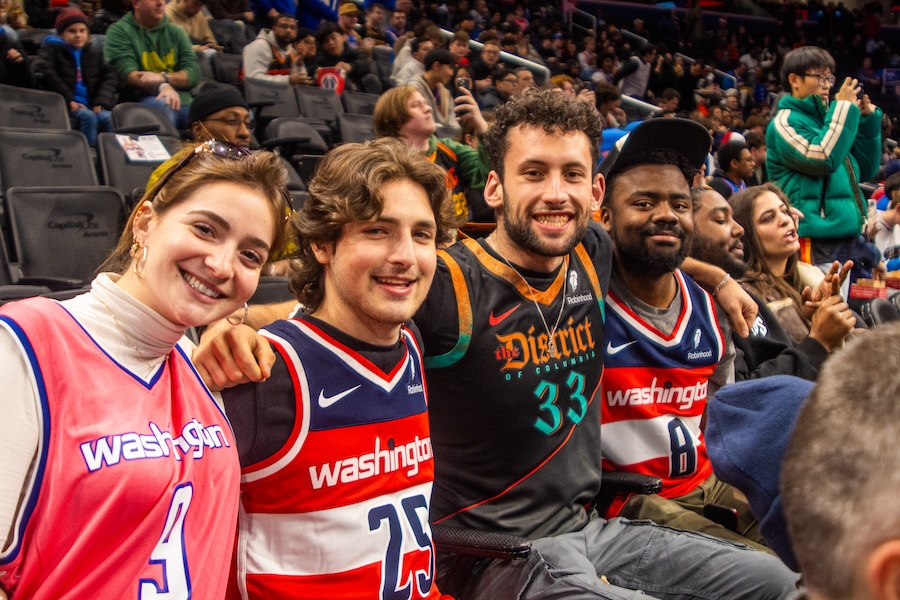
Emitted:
pixel 68 65
pixel 68 17
pixel 216 113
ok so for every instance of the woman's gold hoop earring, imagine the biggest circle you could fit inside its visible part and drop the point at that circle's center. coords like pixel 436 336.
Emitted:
pixel 141 262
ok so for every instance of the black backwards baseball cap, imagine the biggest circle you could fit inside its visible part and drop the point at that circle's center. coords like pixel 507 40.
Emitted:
pixel 683 136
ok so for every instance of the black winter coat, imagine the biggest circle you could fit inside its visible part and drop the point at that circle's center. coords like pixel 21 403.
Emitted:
pixel 56 71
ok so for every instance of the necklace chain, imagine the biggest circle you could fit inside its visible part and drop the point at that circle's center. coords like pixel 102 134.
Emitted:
pixel 128 340
pixel 551 343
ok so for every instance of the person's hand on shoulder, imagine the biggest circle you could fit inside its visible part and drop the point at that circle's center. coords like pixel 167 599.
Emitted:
pixel 738 305
pixel 229 355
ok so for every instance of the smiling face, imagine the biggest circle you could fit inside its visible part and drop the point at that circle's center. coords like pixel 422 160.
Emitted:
pixel 649 216
pixel 204 254
pixel 717 236
pixel 545 198
pixel 775 229
pixel 379 271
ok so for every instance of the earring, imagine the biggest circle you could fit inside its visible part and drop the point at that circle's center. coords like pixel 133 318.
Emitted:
pixel 140 263
pixel 243 318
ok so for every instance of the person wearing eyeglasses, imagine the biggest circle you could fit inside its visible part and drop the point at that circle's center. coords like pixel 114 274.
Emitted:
pixel 819 150
pixel 505 86
pixel 271 56
pixel 217 113
pixel 120 472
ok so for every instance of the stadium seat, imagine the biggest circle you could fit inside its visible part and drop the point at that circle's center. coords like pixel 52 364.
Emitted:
pixel 297 141
pixel 32 109
pixel 135 117
pixel 9 290
pixel 318 103
pixel 227 67
pixel 125 175
pixel 355 128
pixel 42 157
pixel 879 310
pixel 273 99
pixel 64 232
pixel 359 103
pixel 272 289
pixel 384 64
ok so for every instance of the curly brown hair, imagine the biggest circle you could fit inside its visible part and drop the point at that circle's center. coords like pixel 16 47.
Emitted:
pixel 347 188
pixel 547 109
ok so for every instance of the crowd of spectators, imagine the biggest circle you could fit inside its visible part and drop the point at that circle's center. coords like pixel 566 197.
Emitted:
pixel 724 77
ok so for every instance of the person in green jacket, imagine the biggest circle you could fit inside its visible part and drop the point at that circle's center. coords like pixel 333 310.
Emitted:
pixel 402 112
pixel 154 60
pixel 818 152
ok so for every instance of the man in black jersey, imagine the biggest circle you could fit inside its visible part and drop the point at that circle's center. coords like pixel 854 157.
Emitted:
pixel 513 331
pixel 334 446
pixel 514 342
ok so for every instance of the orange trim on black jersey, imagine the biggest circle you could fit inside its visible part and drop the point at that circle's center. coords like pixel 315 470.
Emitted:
pixel 511 276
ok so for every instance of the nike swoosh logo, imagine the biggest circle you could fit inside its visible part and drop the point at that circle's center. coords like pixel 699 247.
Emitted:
pixel 494 321
pixel 610 349
pixel 326 401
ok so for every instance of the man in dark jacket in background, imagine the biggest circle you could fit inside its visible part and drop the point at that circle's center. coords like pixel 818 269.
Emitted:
pixel 334 52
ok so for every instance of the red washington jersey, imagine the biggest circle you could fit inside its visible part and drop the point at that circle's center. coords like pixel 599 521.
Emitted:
pixel 341 510
pixel 654 391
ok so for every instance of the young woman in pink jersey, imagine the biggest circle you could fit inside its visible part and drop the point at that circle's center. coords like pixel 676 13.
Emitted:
pixel 120 472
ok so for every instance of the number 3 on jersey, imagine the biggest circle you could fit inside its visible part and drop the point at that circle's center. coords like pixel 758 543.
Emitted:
pixel 392 567
pixel 169 552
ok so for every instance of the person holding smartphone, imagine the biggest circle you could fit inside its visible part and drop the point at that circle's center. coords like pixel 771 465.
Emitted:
pixel 819 150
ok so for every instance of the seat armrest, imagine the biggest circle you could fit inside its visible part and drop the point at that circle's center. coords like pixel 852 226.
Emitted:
pixel 623 482
pixel 54 283
pixel 486 544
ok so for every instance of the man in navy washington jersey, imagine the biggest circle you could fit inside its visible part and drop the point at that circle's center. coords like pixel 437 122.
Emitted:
pixel 665 351
pixel 514 340
pixel 336 457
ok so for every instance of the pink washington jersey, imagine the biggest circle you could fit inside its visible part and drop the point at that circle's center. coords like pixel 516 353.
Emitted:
pixel 134 492
pixel 341 511
pixel 654 392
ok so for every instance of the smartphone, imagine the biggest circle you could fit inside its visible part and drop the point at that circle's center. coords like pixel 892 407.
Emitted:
pixel 461 84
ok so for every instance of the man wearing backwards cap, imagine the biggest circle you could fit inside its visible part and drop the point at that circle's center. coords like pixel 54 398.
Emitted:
pixel 665 350
pixel 217 113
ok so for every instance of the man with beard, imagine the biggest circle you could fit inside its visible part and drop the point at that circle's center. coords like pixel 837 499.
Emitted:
pixel 665 349
pixel 271 57
pixel 513 328
pixel 768 350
